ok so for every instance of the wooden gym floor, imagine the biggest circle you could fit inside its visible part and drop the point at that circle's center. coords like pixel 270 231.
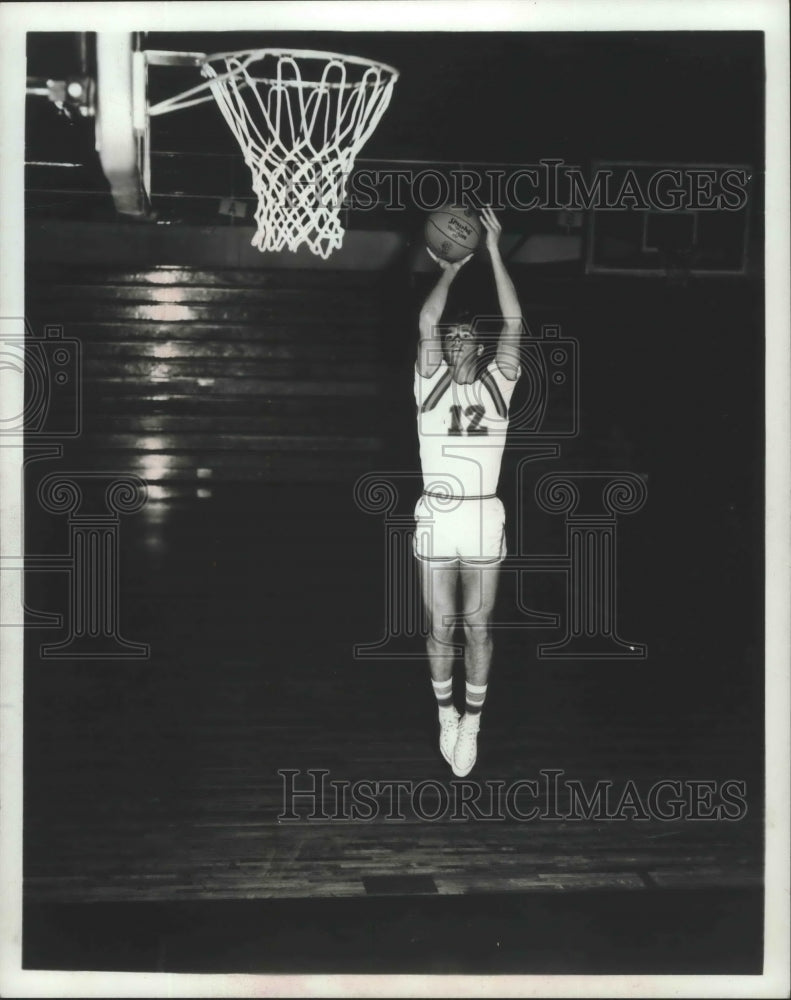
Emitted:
pixel 152 786
pixel 153 837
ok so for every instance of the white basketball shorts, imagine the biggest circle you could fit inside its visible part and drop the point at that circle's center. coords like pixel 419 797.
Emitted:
pixel 468 530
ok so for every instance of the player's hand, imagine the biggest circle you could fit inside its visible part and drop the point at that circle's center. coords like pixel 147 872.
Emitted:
pixel 493 229
pixel 450 267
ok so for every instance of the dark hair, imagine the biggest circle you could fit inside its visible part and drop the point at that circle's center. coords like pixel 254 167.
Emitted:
pixel 461 317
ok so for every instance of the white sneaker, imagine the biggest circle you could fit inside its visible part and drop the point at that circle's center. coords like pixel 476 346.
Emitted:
pixel 465 752
pixel 448 730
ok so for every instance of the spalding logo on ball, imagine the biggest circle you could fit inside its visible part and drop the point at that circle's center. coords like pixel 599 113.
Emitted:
pixel 453 232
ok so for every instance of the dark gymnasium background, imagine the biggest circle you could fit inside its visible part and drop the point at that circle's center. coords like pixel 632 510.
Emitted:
pixel 251 392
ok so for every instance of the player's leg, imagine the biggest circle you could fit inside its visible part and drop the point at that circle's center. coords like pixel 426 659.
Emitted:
pixel 479 593
pixel 479 574
pixel 478 596
pixel 438 587
pixel 438 584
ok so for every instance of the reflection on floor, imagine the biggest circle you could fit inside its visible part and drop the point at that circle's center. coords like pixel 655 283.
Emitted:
pixel 161 783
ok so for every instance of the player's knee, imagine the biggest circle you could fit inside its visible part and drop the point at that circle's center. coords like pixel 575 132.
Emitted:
pixel 441 629
pixel 477 629
pixel 442 635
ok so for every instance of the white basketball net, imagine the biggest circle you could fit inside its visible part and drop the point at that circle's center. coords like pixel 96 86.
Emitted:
pixel 300 118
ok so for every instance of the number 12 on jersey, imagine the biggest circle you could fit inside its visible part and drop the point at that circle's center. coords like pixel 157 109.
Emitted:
pixel 476 413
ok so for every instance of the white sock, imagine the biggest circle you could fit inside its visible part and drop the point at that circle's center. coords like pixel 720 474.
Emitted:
pixel 475 697
pixel 443 692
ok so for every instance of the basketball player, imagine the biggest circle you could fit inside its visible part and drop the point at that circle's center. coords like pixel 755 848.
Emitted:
pixel 462 418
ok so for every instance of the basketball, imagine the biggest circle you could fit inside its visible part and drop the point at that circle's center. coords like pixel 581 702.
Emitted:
pixel 453 232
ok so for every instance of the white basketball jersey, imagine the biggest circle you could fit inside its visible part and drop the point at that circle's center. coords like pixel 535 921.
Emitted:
pixel 461 430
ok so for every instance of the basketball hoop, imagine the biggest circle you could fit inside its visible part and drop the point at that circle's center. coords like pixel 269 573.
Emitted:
pixel 300 118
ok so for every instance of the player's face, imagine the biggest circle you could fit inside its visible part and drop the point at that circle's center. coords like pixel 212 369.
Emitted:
pixel 460 345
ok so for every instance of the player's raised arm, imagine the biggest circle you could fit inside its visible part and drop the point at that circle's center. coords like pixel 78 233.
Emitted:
pixel 511 333
pixel 429 351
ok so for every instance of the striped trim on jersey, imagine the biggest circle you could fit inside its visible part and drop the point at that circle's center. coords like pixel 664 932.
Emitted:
pixel 436 393
pixel 449 496
pixel 494 391
pixel 486 378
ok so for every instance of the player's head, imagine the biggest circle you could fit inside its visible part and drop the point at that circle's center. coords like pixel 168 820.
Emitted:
pixel 460 342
